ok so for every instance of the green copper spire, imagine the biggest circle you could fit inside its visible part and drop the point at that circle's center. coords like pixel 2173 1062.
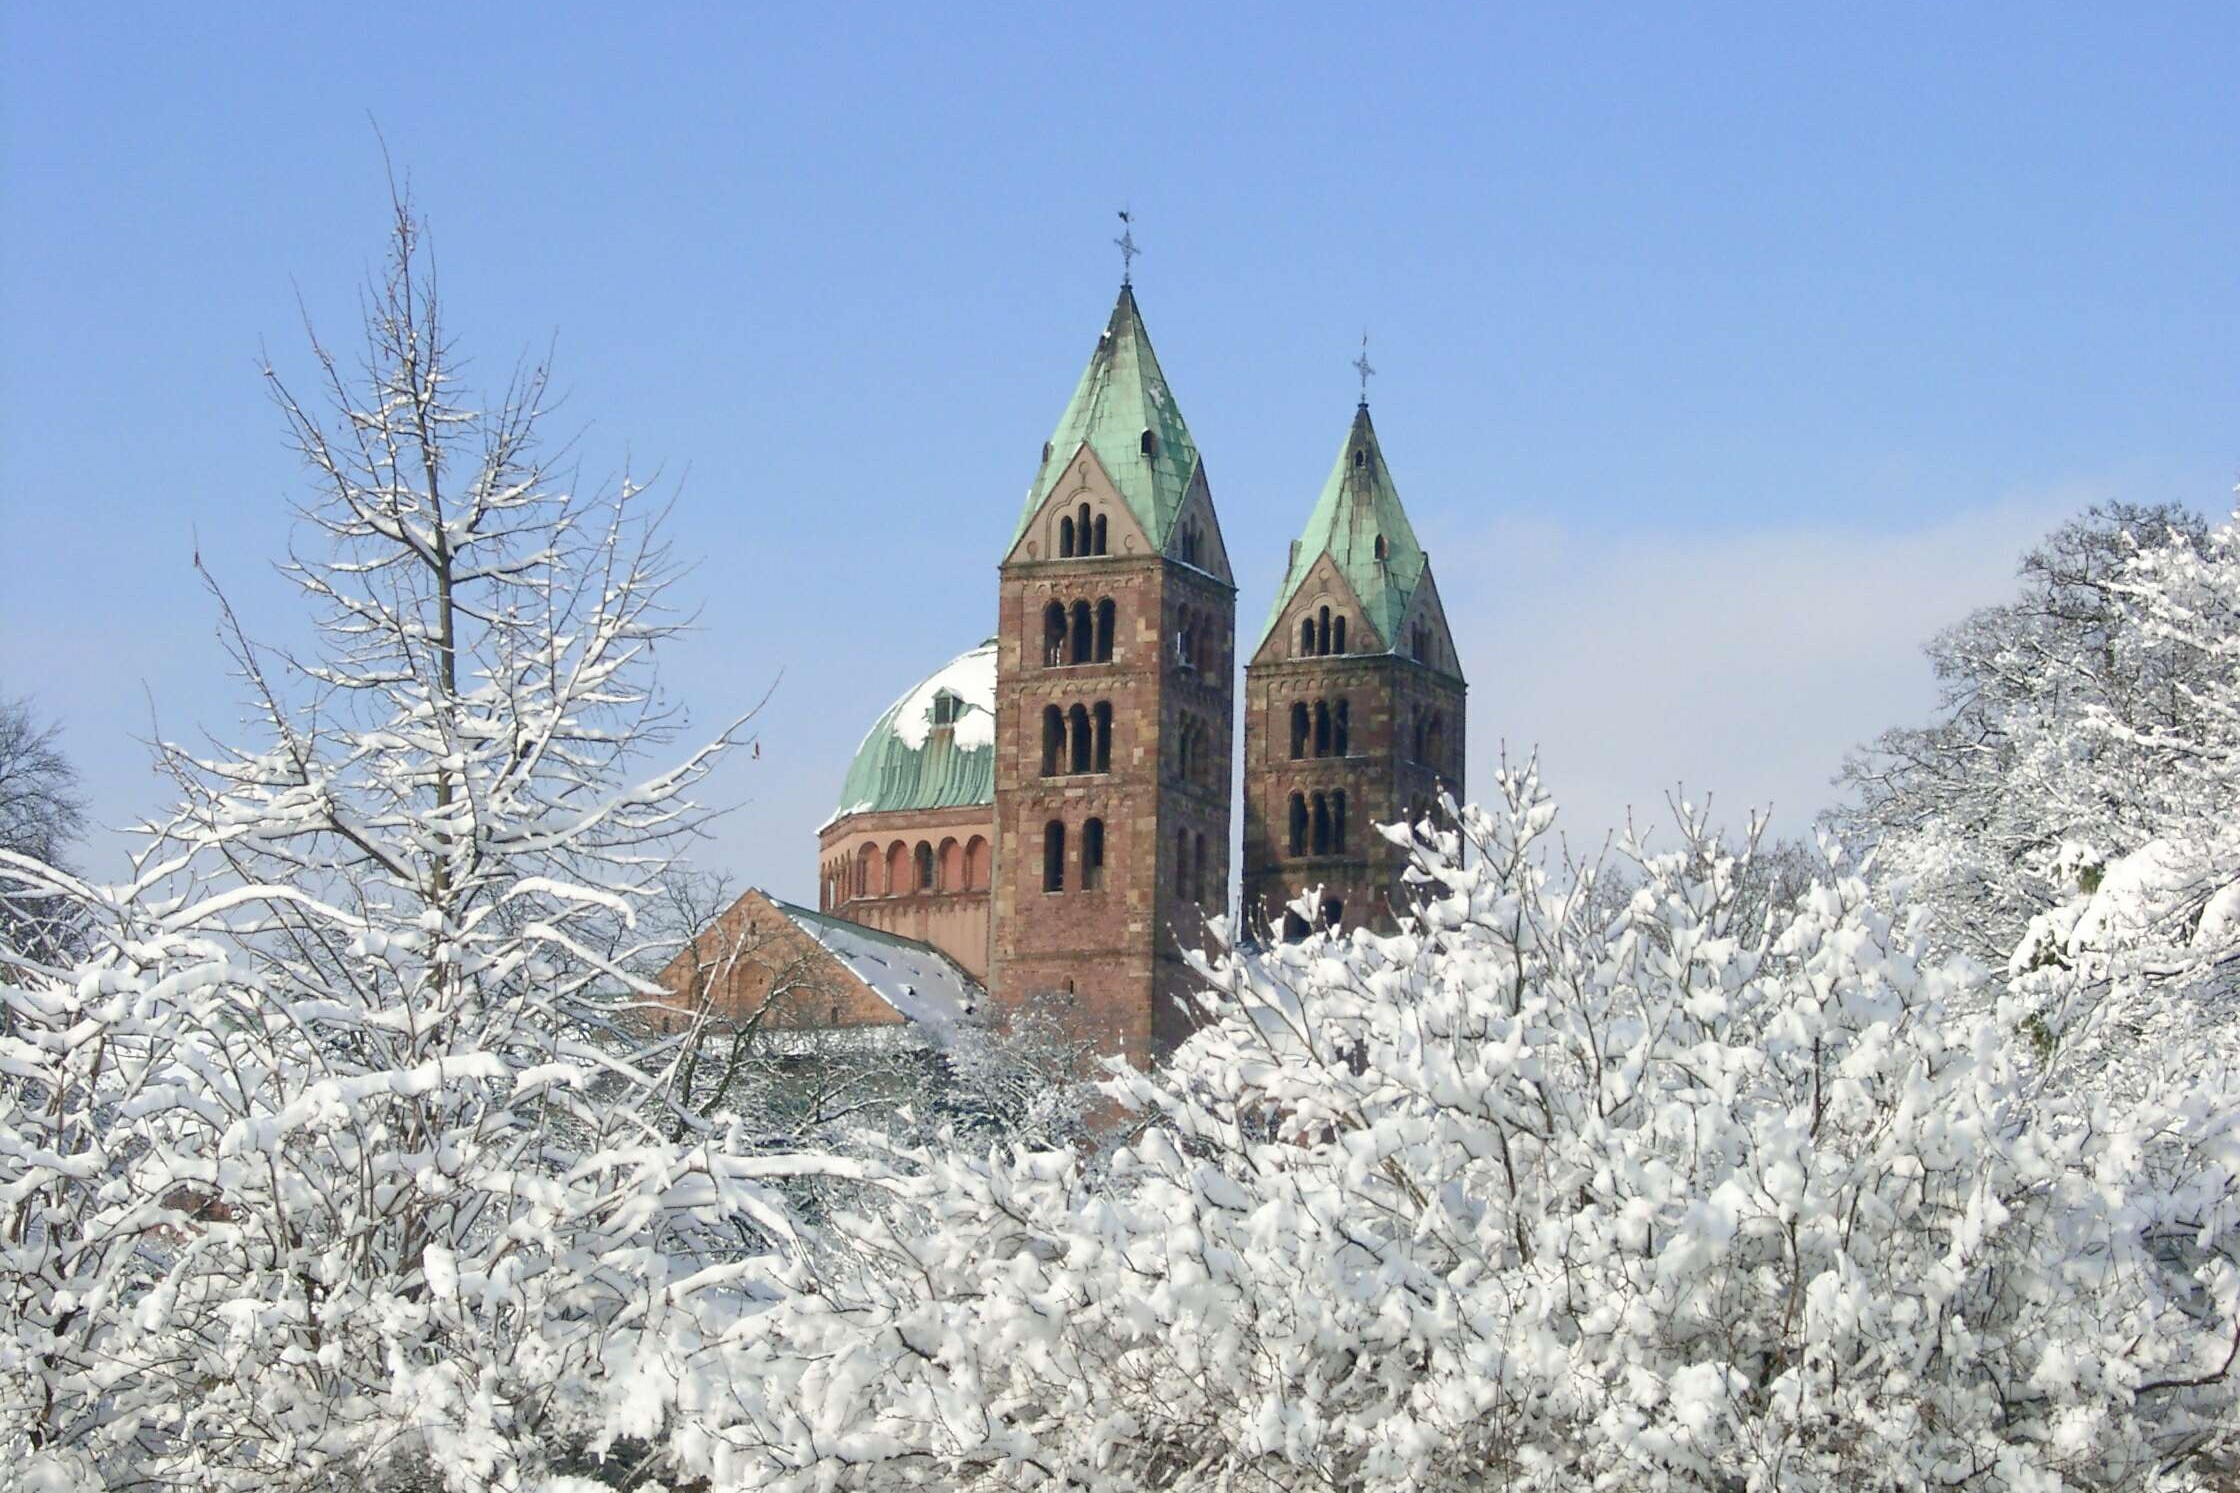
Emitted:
pixel 1360 525
pixel 1123 410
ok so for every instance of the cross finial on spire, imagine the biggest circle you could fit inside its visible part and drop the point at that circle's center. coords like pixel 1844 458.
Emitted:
pixel 1127 246
pixel 1361 366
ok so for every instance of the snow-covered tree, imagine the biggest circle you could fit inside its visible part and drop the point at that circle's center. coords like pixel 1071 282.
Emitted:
pixel 1528 1195
pixel 2071 814
pixel 330 1160
pixel 41 808
pixel 2137 968
pixel 1977 806
pixel 42 812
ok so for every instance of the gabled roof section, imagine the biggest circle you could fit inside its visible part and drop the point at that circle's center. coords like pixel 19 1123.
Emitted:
pixel 1359 506
pixel 1122 396
pixel 922 984
pixel 742 961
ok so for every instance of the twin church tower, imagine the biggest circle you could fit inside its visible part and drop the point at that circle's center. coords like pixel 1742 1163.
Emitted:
pixel 1052 810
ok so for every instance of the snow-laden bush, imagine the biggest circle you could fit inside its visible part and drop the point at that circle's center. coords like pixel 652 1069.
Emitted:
pixel 1527 1197
pixel 1528 1194
pixel 267 1236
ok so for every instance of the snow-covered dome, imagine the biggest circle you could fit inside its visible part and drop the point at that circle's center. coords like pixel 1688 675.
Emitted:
pixel 935 747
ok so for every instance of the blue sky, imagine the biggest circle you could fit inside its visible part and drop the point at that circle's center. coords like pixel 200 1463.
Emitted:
pixel 1723 356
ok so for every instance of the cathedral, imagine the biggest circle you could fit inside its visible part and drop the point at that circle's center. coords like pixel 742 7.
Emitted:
pixel 1049 815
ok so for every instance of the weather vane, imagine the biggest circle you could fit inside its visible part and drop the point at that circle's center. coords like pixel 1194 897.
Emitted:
pixel 1127 245
pixel 1361 366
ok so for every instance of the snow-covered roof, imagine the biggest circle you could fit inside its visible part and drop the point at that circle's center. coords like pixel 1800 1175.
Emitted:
pixel 910 759
pixel 971 679
pixel 924 985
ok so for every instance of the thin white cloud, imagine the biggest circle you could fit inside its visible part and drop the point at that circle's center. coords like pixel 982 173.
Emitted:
pixel 1741 665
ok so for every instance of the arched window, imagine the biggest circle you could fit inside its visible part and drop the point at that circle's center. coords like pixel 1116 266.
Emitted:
pixel 1081 531
pixel 1419 643
pixel 1092 856
pixel 1054 634
pixel 1189 545
pixel 1338 635
pixel 1321 837
pixel 1186 638
pixel 1299 729
pixel 1054 856
pixel 1148 443
pixel 1182 865
pixel 1107 615
pixel 1435 743
pixel 1098 527
pixel 976 864
pixel 1298 824
pixel 951 877
pixel 898 869
pixel 1322 728
pixel 1380 547
pixel 1053 739
pixel 1084 635
pixel 1322 630
pixel 1065 538
pixel 1077 731
pixel 925 868
pixel 867 863
pixel 1333 912
pixel 1360 457
pixel 1306 637
pixel 1102 716
pixel 1338 723
pixel 1338 822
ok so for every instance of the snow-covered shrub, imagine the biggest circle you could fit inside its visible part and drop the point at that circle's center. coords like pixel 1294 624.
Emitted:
pixel 1530 1196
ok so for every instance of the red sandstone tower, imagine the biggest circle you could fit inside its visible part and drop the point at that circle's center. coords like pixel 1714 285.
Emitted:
pixel 1353 706
pixel 1114 710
